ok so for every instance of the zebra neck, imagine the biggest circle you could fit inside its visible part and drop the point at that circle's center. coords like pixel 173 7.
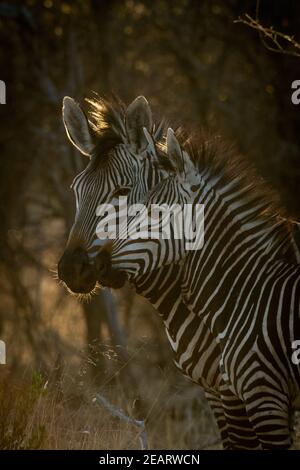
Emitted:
pixel 162 288
pixel 235 217
pixel 236 228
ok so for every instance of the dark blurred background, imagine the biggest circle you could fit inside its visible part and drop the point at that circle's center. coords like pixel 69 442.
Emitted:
pixel 197 67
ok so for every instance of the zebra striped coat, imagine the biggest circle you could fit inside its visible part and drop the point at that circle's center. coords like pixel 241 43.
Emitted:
pixel 237 289
pixel 135 168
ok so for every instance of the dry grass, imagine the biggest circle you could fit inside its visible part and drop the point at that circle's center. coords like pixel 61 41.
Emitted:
pixel 55 410
pixel 37 414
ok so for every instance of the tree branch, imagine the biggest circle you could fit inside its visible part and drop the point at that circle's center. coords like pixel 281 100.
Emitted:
pixel 278 40
pixel 140 424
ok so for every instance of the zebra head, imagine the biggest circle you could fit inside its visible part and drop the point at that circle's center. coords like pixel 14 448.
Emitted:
pixel 166 203
pixel 120 145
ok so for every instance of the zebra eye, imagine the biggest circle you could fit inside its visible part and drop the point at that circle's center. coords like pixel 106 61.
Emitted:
pixel 121 191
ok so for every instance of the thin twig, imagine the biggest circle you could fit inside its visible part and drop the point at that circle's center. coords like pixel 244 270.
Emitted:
pixel 272 35
pixel 140 424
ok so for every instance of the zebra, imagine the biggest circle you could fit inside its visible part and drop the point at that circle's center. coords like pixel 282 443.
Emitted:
pixel 133 167
pixel 238 285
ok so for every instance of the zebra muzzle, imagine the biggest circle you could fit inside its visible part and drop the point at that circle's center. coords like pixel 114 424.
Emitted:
pixel 105 274
pixel 75 270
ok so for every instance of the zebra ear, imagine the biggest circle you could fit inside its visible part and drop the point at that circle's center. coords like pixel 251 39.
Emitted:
pixel 150 141
pixel 77 126
pixel 179 157
pixel 174 151
pixel 138 116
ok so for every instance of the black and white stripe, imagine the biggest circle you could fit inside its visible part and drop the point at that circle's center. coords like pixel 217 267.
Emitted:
pixel 198 352
pixel 231 310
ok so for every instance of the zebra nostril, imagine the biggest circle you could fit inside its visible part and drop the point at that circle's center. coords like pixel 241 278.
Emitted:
pixel 82 266
pixel 102 264
pixel 101 268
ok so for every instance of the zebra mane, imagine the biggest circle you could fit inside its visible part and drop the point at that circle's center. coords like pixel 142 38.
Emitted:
pixel 107 119
pixel 107 123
